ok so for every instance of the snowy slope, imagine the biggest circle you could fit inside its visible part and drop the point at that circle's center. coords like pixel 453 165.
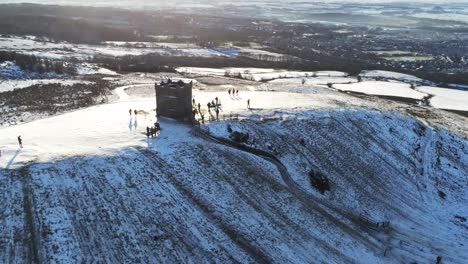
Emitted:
pixel 385 166
pixel 87 68
pixel 9 70
pixel 89 186
pixel 9 85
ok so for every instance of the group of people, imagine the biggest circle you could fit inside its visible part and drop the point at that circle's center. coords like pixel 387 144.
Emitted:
pixel 234 92
pixel 134 111
pixel 214 105
pixel 154 130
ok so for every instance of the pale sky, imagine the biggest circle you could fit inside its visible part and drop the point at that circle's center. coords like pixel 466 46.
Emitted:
pixel 211 2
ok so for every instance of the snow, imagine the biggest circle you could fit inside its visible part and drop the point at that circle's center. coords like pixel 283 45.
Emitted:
pixel 9 70
pixel 322 80
pixel 222 71
pixel 192 48
pixel 92 133
pixel 10 85
pixel 89 69
pixel 256 52
pixel 396 89
pixel 258 74
pixel 444 98
pixel 444 16
pixel 390 75
pixel 82 51
pixel 13 77
pixel 96 180
pixel 382 164
pixel 458 86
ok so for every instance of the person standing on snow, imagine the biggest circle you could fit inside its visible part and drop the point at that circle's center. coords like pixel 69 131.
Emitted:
pixel 147 132
pixel 20 142
pixel 248 103
pixel 229 92
pixel 199 108
pixel 130 112
pixel 136 112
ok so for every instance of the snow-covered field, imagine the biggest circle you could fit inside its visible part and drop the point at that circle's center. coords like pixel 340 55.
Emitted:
pixel 378 83
pixel 13 77
pixel 9 70
pixel 395 89
pixel 258 74
pixel 461 17
pixel 321 80
pixel 82 51
pixel 88 186
pixel 391 75
pixel 10 85
pixel 444 98
pixel 89 69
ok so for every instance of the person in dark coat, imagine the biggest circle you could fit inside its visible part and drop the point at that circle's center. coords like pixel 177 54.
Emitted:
pixel 193 101
pixel 217 114
pixel 199 108
pixel 248 104
pixel 157 126
pixel 237 92
pixel 216 100
pixel 229 91
pixel 20 142
pixel 153 132
pixel 147 132
pixel 130 111
pixel 209 106
pixel 135 111
pixel 202 118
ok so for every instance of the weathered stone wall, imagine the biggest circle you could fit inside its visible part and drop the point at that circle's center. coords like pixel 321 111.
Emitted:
pixel 174 99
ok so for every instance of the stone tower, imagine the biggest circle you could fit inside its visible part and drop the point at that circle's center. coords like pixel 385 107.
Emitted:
pixel 174 99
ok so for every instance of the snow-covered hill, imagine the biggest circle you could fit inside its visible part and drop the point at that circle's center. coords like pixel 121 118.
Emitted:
pixel 89 187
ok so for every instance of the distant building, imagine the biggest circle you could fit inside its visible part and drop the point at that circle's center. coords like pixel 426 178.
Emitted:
pixel 174 99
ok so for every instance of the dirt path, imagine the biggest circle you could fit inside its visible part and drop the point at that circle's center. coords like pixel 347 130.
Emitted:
pixel 342 219
pixel 123 96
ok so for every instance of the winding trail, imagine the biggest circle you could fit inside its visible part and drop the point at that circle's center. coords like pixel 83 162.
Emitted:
pixel 123 96
pixel 341 218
